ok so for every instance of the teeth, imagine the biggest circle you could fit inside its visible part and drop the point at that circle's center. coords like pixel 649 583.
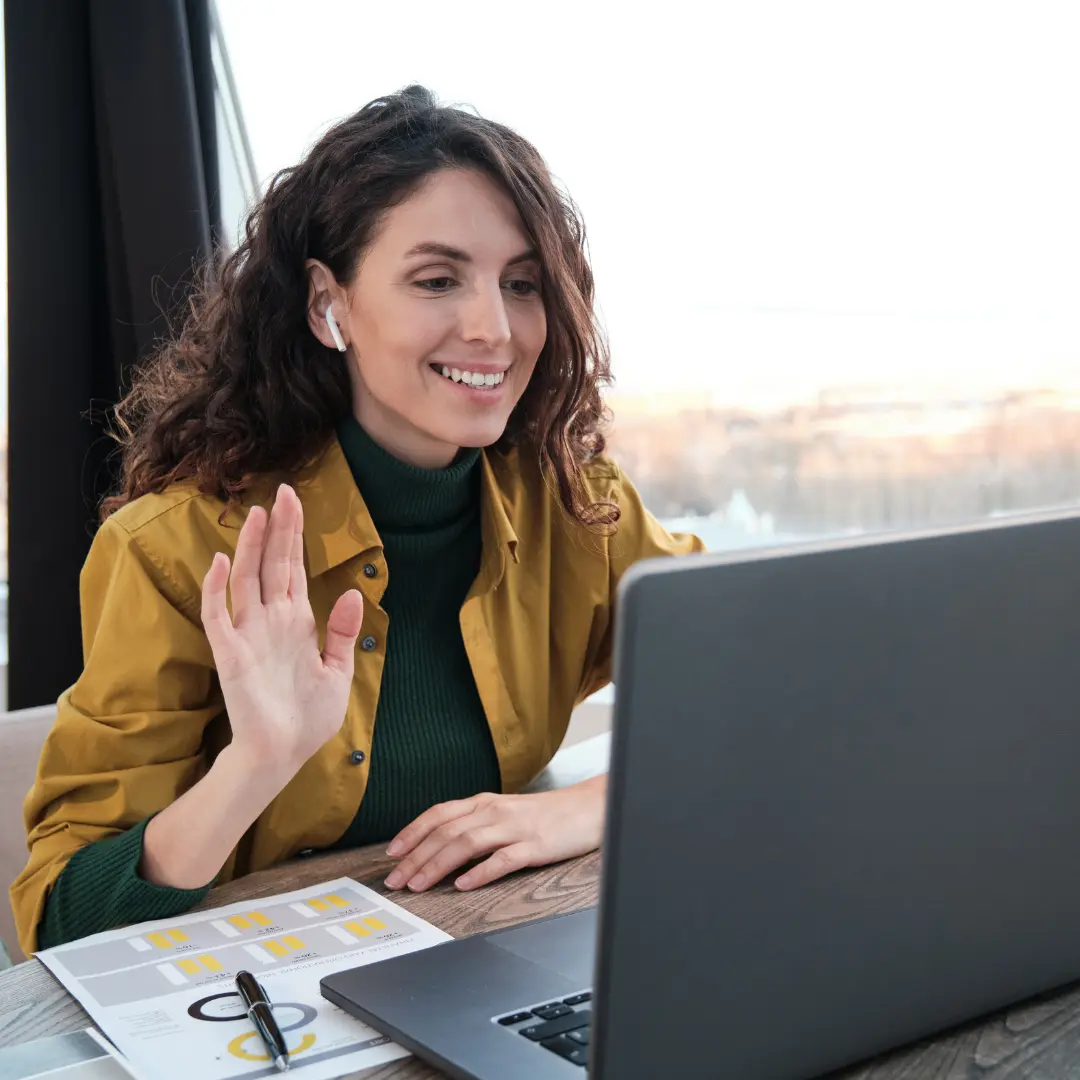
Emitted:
pixel 472 378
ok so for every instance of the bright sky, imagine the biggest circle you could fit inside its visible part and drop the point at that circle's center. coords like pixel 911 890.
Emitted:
pixel 780 197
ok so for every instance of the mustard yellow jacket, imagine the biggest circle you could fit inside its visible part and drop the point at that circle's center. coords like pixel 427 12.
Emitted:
pixel 146 717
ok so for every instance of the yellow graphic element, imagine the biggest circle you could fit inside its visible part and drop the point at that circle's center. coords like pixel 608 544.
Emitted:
pixel 240 922
pixel 282 947
pixel 196 965
pixel 374 923
pixel 236 1047
pixel 177 935
pixel 357 929
pixel 259 918
pixel 322 903
pixel 160 940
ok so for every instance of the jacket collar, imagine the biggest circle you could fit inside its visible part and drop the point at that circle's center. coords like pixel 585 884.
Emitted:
pixel 338 525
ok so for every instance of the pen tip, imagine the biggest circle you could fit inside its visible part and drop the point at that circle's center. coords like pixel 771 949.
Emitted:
pixel 281 1063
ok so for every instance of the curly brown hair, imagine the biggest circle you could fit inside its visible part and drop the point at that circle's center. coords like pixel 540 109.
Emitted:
pixel 245 389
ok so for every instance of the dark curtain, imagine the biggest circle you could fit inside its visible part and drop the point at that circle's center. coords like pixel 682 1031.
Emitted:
pixel 112 200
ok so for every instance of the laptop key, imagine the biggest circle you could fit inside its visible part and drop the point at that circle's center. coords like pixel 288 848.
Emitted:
pixel 578 999
pixel 562 1046
pixel 550 1012
pixel 559 1026
pixel 579 1057
pixel 581 1036
pixel 516 1018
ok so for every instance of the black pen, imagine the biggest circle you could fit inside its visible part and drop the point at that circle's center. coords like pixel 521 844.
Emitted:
pixel 261 1014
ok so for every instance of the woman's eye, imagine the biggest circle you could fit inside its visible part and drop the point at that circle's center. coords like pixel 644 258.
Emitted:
pixel 436 284
pixel 522 287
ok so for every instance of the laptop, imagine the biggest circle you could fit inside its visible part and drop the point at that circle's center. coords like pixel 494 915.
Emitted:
pixel 843 807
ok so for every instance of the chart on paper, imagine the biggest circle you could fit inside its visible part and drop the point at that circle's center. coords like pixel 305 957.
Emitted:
pixel 164 992
pixel 201 952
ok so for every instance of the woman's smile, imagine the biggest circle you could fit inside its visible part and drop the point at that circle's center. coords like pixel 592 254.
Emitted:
pixel 478 382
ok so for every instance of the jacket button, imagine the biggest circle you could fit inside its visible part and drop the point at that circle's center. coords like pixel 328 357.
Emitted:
pixel 370 570
pixel 357 757
pixel 368 643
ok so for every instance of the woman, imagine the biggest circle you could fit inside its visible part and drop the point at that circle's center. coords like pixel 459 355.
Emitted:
pixel 362 563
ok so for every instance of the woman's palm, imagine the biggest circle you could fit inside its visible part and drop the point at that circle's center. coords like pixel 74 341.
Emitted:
pixel 284 698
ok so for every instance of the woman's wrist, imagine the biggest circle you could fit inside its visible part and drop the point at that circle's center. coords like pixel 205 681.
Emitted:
pixel 186 845
pixel 253 771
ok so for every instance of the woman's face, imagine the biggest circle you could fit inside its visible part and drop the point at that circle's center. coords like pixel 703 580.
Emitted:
pixel 444 319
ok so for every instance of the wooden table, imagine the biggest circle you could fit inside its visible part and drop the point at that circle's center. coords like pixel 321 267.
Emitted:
pixel 1038 1041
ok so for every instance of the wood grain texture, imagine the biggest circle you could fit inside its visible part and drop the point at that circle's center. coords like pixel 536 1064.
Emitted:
pixel 1036 1040
pixel 33 1004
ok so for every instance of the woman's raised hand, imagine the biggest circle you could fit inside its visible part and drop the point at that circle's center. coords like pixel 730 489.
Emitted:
pixel 284 697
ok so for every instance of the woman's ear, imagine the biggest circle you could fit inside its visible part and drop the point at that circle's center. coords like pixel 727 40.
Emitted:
pixel 323 290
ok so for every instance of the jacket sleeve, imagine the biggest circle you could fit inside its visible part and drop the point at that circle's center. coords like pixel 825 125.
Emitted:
pixel 129 734
pixel 638 536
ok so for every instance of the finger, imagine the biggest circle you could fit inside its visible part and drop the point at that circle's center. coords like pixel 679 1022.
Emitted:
pixel 244 587
pixel 505 861
pixel 470 845
pixel 342 630
pixel 297 573
pixel 426 823
pixel 217 625
pixel 276 567
pixel 444 835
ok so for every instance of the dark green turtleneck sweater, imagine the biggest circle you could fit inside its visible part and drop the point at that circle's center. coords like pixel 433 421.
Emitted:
pixel 432 742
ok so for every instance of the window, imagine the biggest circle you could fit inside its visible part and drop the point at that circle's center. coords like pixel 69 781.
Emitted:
pixel 236 166
pixel 835 243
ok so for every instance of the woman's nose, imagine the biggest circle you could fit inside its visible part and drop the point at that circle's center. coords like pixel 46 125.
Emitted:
pixel 484 317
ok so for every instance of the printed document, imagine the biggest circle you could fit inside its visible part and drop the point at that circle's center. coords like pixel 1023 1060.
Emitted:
pixel 164 992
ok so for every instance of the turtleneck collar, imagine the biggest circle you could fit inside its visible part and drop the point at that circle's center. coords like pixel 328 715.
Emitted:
pixel 403 497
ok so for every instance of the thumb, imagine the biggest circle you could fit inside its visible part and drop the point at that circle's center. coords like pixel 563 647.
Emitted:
pixel 342 629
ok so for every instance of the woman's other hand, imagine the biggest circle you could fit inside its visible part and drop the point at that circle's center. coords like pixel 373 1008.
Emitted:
pixel 513 831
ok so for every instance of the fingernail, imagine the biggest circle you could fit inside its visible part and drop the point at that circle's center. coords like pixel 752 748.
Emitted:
pixel 394 880
pixel 462 882
pixel 418 883
pixel 394 849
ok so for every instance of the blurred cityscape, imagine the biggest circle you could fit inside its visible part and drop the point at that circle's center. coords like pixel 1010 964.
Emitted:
pixel 850 461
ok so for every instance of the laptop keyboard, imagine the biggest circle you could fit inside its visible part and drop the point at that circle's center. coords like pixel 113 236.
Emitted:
pixel 559 1026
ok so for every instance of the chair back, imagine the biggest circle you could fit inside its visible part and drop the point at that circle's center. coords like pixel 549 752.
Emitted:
pixel 22 734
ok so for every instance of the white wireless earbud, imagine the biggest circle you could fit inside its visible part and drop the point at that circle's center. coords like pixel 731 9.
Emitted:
pixel 335 333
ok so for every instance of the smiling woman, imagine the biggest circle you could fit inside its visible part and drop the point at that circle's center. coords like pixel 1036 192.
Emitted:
pixel 379 435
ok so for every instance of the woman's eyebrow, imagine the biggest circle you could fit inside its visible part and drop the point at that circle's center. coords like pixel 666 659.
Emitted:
pixel 446 251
